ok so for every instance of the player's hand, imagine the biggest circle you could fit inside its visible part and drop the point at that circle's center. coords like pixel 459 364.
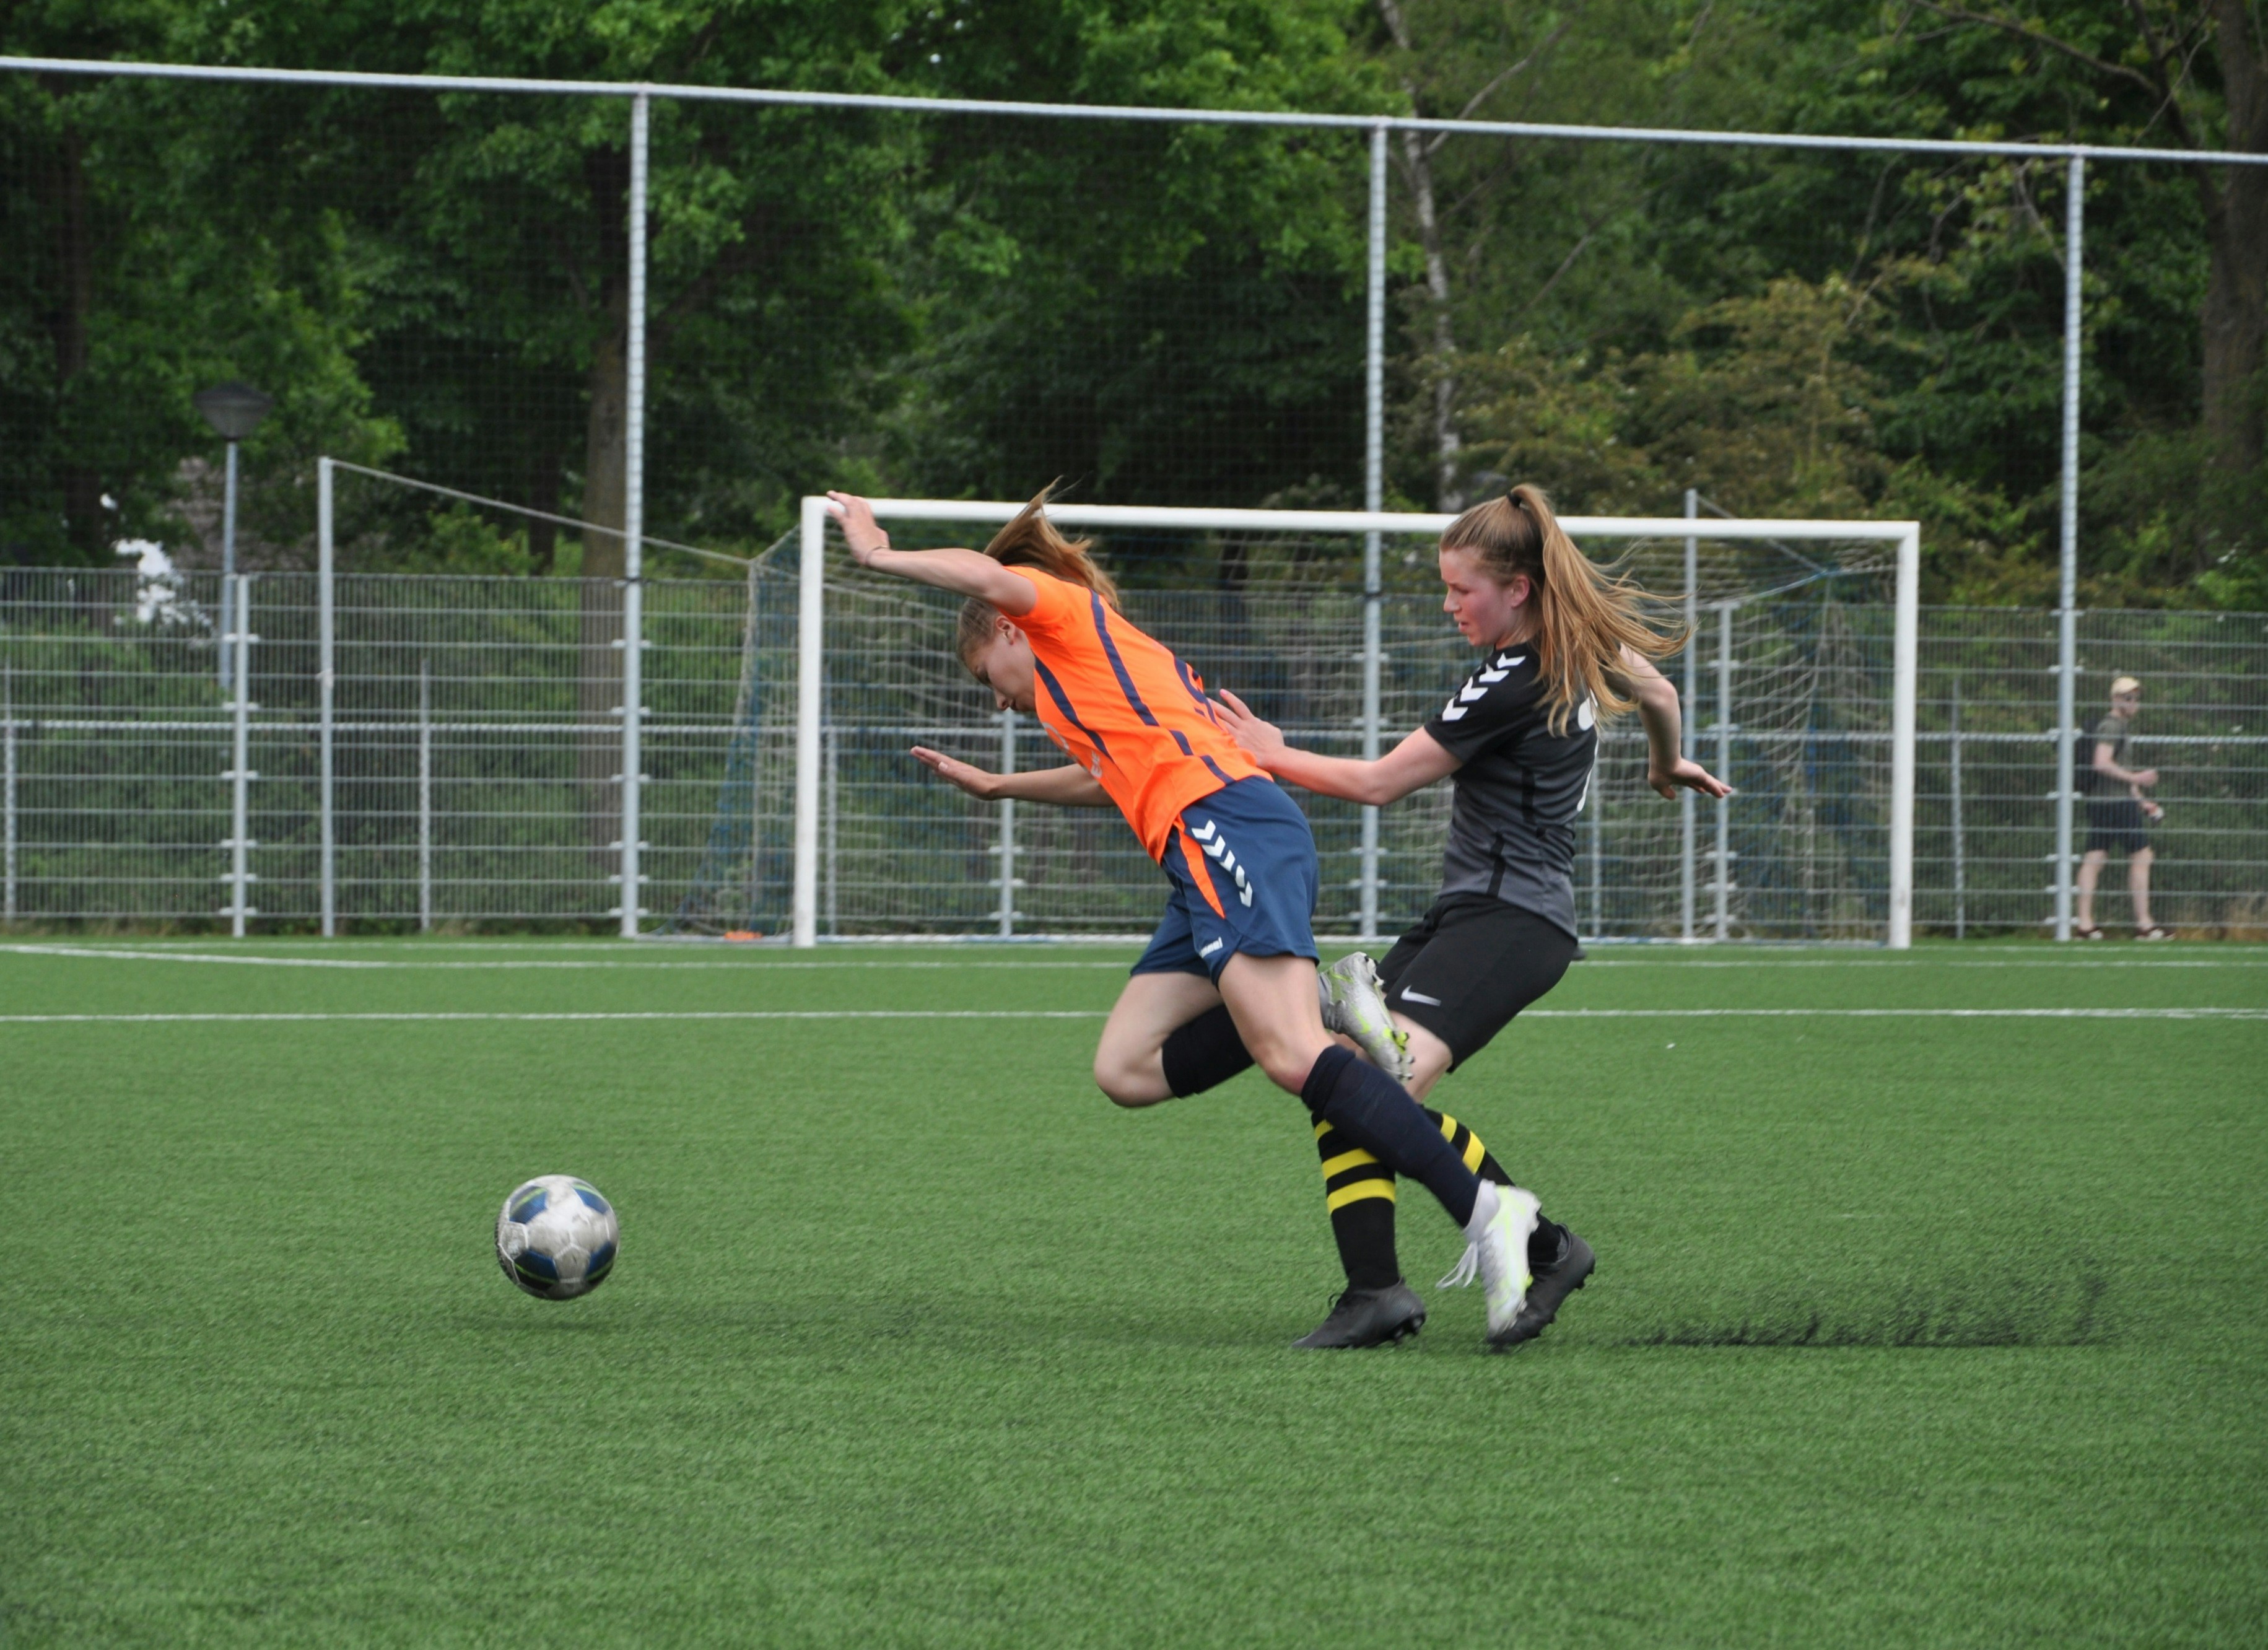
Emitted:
pixel 1262 741
pixel 1685 774
pixel 860 531
pixel 2155 810
pixel 976 781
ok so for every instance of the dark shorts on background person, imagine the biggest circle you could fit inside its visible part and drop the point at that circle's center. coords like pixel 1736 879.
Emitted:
pixel 1470 964
pixel 2116 824
pixel 1242 866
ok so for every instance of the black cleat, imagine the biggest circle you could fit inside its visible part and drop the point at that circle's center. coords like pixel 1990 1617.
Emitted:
pixel 1369 1317
pixel 1552 1286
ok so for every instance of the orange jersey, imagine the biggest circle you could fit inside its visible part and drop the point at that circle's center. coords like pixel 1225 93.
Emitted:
pixel 1125 708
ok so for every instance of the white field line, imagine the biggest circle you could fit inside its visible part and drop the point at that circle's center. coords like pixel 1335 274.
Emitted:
pixel 255 960
pixel 1098 1013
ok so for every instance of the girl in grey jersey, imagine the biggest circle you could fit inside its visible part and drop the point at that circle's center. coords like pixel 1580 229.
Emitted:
pixel 1566 646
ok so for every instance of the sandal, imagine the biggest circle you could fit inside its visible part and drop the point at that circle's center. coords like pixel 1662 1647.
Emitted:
pixel 2077 933
pixel 2153 933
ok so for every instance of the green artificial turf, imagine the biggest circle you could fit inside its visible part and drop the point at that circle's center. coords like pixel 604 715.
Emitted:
pixel 1907 1331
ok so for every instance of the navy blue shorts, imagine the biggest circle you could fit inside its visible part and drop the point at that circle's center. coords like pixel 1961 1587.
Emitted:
pixel 1250 845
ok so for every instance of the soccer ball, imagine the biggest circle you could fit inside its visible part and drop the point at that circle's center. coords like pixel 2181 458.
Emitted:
pixel 557 1237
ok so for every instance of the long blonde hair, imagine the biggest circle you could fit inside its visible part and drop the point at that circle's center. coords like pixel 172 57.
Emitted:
pixel 1030 540
pixel 1585 615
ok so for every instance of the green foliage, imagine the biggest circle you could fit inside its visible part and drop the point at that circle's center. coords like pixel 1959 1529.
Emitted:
pixel 1157 313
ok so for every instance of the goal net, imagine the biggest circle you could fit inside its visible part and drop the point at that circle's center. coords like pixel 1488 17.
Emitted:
pixel 1798 681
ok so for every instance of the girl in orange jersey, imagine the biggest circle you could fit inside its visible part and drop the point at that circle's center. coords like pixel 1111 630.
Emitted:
pixel 1041 629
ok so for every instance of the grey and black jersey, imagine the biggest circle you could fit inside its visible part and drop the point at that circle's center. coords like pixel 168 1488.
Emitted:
pixel 1511 827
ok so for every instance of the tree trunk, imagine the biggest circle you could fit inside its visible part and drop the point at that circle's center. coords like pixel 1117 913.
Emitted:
pixel 69 326
pixel 543 536
pixel 1447 488
pixel 599 684
pixel 2235 316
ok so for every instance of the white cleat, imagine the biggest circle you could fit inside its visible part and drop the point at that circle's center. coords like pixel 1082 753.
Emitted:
pixel 1354 1006
pixel 1496 1250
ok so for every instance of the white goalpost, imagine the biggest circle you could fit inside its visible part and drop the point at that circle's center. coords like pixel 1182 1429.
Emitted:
pixel 1801 674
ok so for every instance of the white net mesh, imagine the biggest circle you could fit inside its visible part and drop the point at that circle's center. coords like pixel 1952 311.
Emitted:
pixel 1279 620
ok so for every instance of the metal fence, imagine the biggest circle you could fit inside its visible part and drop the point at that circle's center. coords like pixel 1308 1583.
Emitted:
pixel 533 271
pixel 477 772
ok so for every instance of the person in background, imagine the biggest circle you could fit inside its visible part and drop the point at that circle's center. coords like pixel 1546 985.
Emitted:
pixel 2118 815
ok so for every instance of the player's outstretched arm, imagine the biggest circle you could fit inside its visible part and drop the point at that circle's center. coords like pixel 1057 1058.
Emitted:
pixel 1067 787
pixel 1413 765
pixel 965 573
pixel 1668 769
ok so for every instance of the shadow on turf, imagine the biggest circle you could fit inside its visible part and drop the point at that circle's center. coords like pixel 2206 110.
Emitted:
pixel 2014 1313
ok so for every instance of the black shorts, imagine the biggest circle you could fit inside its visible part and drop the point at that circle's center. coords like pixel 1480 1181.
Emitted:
pixel 2115 824
pixel 1469 965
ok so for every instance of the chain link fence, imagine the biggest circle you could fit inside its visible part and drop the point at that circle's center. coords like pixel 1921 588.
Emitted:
pixel 478 780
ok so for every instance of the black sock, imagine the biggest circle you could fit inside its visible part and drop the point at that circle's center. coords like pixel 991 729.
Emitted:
pixel 1204 1053
pixel 1358 1193
pixel 1360 1198
pixel 1544 1244
pixel 1376 1113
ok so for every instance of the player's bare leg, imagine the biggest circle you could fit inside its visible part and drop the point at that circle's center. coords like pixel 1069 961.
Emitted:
pixel 1429 1058
pixel 1127 1067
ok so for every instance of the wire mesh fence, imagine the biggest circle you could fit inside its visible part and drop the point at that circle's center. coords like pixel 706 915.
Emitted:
pixel 477 773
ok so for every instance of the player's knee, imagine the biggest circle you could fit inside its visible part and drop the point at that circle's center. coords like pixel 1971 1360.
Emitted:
pixel 1124 1081
pixel 1285 1060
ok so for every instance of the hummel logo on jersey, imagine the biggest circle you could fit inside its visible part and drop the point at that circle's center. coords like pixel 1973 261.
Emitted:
pixel 1478 685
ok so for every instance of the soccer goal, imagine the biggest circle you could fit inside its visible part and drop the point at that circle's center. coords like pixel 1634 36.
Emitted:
pixel 1799 684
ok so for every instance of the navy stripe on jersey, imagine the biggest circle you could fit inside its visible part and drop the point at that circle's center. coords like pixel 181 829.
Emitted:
pixel 1182 740
pixel 1196 692
pixel 1119 664
pixel 1215 768
pixel 1063 702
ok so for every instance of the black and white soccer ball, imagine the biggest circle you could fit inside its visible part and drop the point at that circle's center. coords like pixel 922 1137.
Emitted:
pixel 557 1237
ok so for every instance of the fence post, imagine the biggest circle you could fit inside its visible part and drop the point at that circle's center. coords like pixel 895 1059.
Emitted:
pixel 1007 829
pixel 240 772
pixel 326 683
pixel 1953 776
pixel 1723 765
pixel 424 797
pixel 834 741
pixel 1373 500
pixel 810 638
pixel 2075 219
pixel 1905 674
pixel 227 551
pixel 633 528
pixel 8 790
pixel 1686 799
pixel 1596 805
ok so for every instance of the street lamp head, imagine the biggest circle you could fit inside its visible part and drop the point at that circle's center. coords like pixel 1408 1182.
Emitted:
pixel 234 409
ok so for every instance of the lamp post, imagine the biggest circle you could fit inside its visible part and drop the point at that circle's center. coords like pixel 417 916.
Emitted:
pixel 234 410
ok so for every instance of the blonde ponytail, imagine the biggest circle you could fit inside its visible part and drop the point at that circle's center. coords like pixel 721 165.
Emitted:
pixel 1030 540
pixel 1585 615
